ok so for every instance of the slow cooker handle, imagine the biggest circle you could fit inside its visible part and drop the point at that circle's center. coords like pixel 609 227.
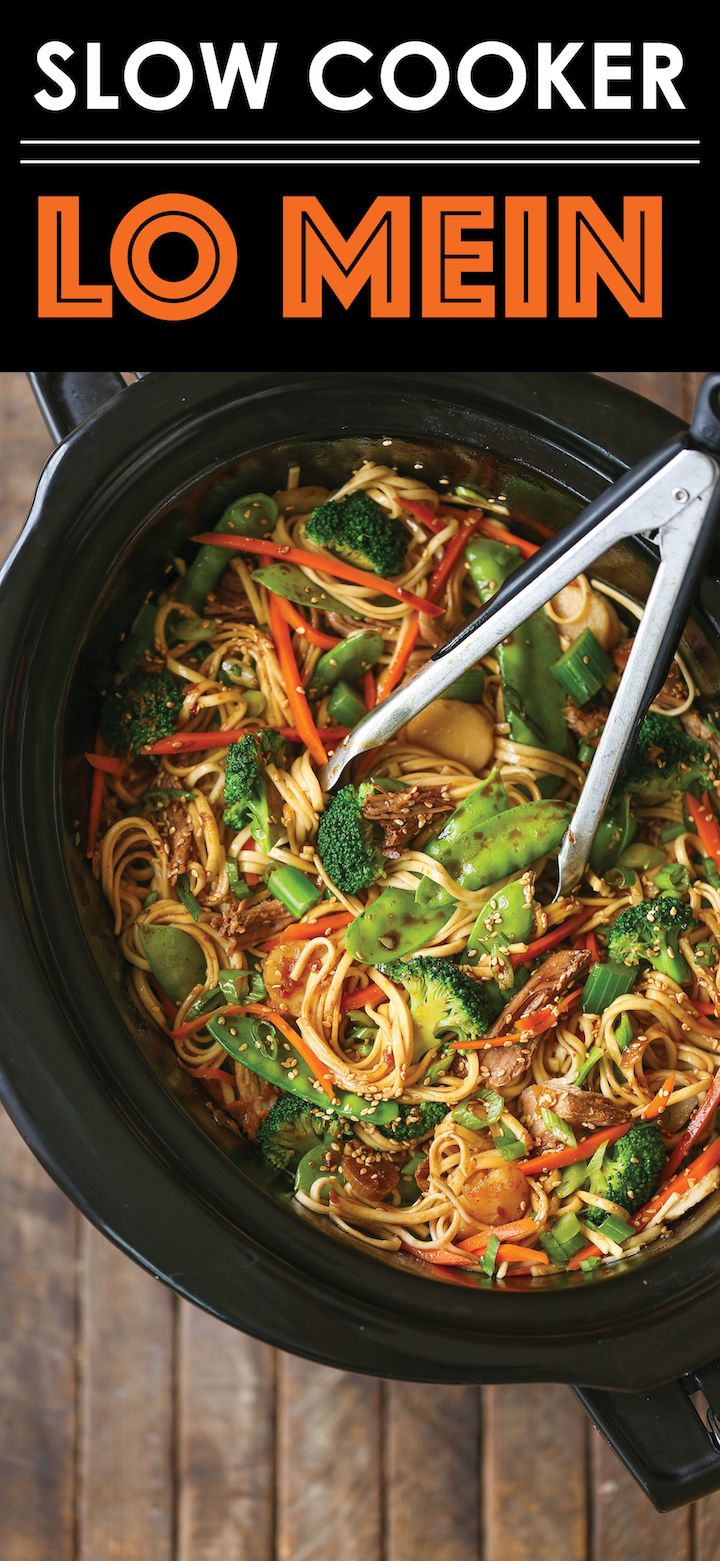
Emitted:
pixel 67 399
pixel 668 1438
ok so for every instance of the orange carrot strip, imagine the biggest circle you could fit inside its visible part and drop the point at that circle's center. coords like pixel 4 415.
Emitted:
pixel 571 1155
pixel 658 1104
pixel 365 994
pixel 369 689
pixel 322 563
pixel 308 631
pixel 106 763
pixel 280 630
pixel 488 528
pixel 439 1256
pixel 197 742
pixel 706 1161
pixel 97 793
pixel 698 1121
pixel 581 1256
pixel 454 548
pixel 263 1011
pixel 397 665
pixel 298 931
pixel 549 940
pixel 513 1231
pixel 532 1024
pixel 507 1253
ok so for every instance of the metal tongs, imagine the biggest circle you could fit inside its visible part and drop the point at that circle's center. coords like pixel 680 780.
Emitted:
pixel 673 499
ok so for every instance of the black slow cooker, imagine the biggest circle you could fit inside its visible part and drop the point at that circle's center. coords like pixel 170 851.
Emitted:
pixel 93 1088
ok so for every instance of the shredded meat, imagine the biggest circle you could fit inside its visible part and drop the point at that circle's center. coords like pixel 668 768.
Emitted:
pixel 402 814
pixel 370 1175
pixel 696 727
pixel 578 1107
pixel 504 1065
pixel 244 924
pixel 673 690
pixel 585 721
pixel 174 826
pixel 255 1097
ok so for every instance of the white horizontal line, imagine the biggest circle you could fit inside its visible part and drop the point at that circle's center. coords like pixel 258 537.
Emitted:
pixel 411 142
pixel 378 162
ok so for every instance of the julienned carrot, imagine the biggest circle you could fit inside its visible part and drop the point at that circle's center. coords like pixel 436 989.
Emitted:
pixel 453 550
pixel 297 698
pixel 488 528
pixel 106 763
pixel 263 1011
pixel 369 689
pixel 572 1154
pixel 371 994
pixel 658 1103
pixel 308 631
pixel 397 665
pixel 299 931
pixel 97 792
pixel 322 563
pixel 698 1122
pixel 706 825
pixel 706 1161
pixel 533 1024
pixel 506 1253
pixel 168 1007
pixel 513 1232
pixel 549 940
pixel 198 742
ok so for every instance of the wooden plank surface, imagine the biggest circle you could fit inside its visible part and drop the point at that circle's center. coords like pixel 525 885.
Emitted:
pixel 135 1428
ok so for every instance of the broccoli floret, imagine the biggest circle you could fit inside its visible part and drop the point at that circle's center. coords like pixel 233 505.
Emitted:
pixel 247 790
pixel 651 931
pixel 666 759
pixel 349 845
pixel 140 711
pixel 360 530
pixel 442 997
pixel 628 1171
pixel 289 1130
pixel 416 1121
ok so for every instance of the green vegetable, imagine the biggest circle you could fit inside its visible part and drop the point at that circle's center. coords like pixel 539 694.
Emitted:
pixel 489 1256
pixel 259 1046
pixel 494 1107
pixel 407 1186
pixel 347 660
pixel 150 899
pixel 572 1177
pixel 394 925
pixel 623 1031
pixel 651 931
pixel 621 877
pixel 642 858
pixel 510 1147
pixel 140 711
pixel 187 898
pixel 593 1056
pixel 190 630
pixel 294 890
pixel 249 797
pixel 253 516
pixel 344 706
pixel 359 529
pixel 139 639
pixel 534 701
pixel 666 759
pixel 504 919
pixel 464 490
pixel 416 1121
pixel 706 952
pixel 567 1229
pixel 672 832
pixel 160 796
pixel 614 1228
pixel 556 1253
pixel 239 887
pixel 237 673
pixel 628 1172
pixel 468 687
pixel 710 872
pixel 241 986
pixel 310 1168
pixel 174 957
pixel 442 998
pixel 605 983
pixel 349 845
pixel 589 1263
pixel 291 582
pixel 558 1128
pixel 501 845
pixel 290 1129
pixel 613 835
pixel 674 877
pixel 584 668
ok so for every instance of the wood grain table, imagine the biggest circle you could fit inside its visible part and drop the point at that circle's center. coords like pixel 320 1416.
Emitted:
pixel 135 1428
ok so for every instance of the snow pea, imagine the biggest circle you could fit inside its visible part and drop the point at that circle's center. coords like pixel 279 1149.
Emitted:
pixel 175 959
pixel 614 833
pixel 345 708
pixel 290 581
pixel 255 515
pixel 488 799
pixel 534 700
pixel 139 639
pixel 394 926
pixel 311 1166
pixel 469 686
pixel 259 1046
pixel 505 844
pixel 347 660
pixel 505 918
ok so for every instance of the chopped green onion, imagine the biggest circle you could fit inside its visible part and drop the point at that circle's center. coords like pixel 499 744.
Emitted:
pixel 191 630
pixel 623 1031
pixel 555 1251
pixel 605 983
pixel 672 832
pixel 238 884
pixel 710 872
pixel 294 890
pixel 673 877
pixel 510 1147
pixel 706 952
pixel 593 1056
pixel 233 984
pixel 588 1263
pixel 584 668
pixel 620 877
pixel 494 1107
pixel 489 1257
pixel 572 1177
pixel 255 701
pixel 150 899
pixel 558 1128
pixel 232 670
pixel 344 706
pixel 615 1229
pixel 567 1228
pixel 585 753
pixel 469 686
pixel 642 857
pixel 464 490
pixel 187 897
